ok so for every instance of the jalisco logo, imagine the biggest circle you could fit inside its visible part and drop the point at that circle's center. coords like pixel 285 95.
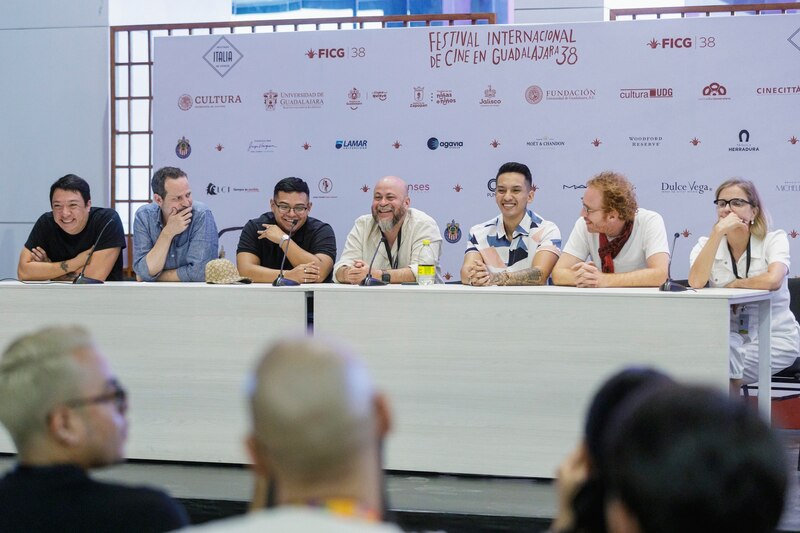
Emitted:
pixel 183 149
pixel 434 143
pixel 452 232
pixel 651 92
pixel 546 143
pixel 652 141
pixel 533 94
pixel 685 187
pixel 213 190
pixel 490 97
pixel 301 99
pixel 186 102
pixel 351 144
pixel 325 53
pixel 223 56
pixel 445 97
pixel 793 90
pixel 260 146
pixel 670 42
pixel 744 144
pixel 419 98
pixel 353 98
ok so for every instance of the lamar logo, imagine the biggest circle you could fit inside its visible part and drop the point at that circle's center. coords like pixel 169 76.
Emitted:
pixel 671 42
pixel 360 144
pixel 326 53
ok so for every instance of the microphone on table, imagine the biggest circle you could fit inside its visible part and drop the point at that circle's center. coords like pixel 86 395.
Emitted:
pixel 82 279
pixel 669 285
pixel 369 281
pixel 282 281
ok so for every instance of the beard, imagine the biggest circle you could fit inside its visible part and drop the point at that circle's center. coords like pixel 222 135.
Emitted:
pixel 387 225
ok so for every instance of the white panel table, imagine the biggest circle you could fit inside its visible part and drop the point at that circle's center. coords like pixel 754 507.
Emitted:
pixel 181 349
pixel 495 381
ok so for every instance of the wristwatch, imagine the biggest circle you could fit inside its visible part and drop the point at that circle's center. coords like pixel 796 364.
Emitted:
pixel 385 276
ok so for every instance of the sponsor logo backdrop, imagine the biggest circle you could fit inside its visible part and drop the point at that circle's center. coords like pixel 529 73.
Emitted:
pixel 676 105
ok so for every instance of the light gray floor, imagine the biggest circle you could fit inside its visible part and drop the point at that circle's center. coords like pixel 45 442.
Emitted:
pixel 442 494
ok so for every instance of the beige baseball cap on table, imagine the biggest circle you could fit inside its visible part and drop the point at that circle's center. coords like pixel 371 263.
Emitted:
pixel 223 272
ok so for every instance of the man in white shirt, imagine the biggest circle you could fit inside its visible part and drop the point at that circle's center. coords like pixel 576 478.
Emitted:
pixel 403 228
pixel 614 243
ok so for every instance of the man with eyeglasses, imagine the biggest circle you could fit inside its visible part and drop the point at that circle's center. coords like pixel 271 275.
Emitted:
pixel 309 244
pixel 174 237
pixel 66 414
pixel 615 243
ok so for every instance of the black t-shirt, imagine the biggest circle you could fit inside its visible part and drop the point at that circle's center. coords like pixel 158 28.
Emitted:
pixel 315 237
pixel 63 498
pixel 61 246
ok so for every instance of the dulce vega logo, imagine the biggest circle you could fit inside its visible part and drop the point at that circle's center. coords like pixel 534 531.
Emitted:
pixel 685 187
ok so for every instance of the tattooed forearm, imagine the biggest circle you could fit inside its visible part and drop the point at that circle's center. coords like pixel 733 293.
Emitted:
pixel 529 276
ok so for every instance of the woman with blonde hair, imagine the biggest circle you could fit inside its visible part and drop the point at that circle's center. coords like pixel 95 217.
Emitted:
pixel 741 252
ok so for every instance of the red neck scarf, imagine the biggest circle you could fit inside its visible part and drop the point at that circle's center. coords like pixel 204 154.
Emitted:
pixel 609 249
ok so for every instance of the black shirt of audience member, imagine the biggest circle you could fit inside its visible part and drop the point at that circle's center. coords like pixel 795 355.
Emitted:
pixel 315 237
pixel 64 498
pixel 61 246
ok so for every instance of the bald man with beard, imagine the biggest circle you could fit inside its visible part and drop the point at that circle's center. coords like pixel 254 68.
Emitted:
pixel 403 227
pixel 317 431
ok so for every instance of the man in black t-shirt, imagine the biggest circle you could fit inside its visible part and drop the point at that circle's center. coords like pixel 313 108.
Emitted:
pixel 67 415
pixel 311 250
pixel 61 240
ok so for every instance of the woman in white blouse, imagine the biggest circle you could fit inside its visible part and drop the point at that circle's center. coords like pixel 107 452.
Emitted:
pixel 741 253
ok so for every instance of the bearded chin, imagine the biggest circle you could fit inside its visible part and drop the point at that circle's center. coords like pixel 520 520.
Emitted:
pixel 386 225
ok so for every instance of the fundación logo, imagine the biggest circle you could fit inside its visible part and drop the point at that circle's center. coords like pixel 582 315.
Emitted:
pixel 223 56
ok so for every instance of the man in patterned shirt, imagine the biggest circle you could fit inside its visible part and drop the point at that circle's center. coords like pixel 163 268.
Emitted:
pixel 518 247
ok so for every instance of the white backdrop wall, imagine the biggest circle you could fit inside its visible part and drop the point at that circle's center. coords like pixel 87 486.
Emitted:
pixel 53 110
pixel 677 105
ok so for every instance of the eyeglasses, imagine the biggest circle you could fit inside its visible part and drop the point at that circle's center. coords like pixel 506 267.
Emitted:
pixel 285 208
pixel 119 396
pixel 588 210
pixel 733 202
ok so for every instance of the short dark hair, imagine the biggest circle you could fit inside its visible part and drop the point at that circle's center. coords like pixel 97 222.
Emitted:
pixel 588 502
pixel 71 182
pixel 161 175
pixel 290 184
pixel 691 459
pixel 519 168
